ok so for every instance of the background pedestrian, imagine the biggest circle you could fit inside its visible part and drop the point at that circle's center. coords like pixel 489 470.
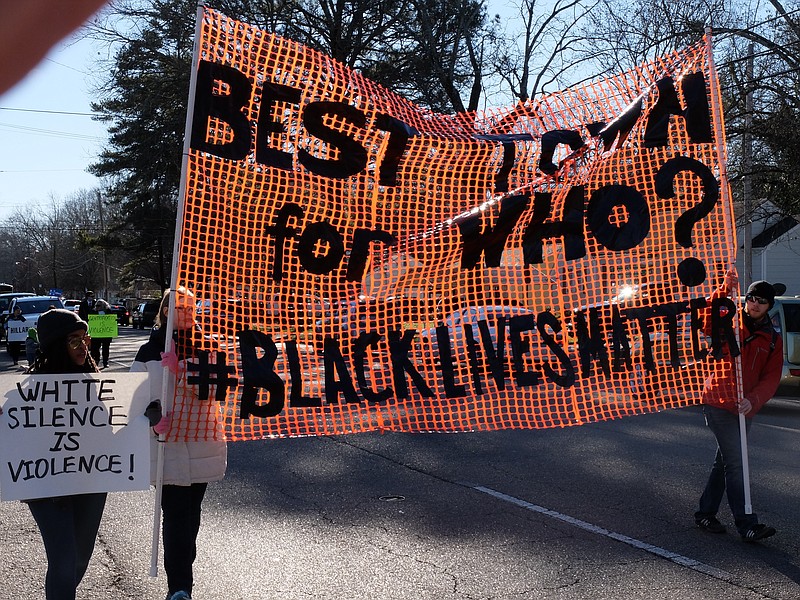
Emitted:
pixel 86 307
pixel 101 345
pixel 31 345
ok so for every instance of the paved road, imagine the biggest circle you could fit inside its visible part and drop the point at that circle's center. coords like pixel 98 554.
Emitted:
pixel 593 512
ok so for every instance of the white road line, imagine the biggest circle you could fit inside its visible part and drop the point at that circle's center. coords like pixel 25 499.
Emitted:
pixel 778 427
pixel 672 556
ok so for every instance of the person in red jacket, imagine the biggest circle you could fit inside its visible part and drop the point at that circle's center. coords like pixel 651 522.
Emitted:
pixel 761 363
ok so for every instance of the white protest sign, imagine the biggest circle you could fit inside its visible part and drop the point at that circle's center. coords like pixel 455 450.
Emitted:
pixel 17 329
pixel 73 433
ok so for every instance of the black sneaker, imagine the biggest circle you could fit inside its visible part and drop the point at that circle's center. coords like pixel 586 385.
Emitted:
pixel 758 532
pixel 710 524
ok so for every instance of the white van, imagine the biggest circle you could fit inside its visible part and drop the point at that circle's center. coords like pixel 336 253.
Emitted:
pixel 785 317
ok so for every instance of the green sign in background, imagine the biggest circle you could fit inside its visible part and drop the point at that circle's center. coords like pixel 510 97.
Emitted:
pixel 103 326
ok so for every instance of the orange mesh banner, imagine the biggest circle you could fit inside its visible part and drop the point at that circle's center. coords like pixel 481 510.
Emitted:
pixel 365 264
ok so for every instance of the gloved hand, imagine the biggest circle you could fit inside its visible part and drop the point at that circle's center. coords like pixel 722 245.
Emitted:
pixel 170 360
pixel 163 425
pixel 153 412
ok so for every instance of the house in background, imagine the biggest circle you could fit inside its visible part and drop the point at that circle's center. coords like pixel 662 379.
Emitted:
pixel 775 249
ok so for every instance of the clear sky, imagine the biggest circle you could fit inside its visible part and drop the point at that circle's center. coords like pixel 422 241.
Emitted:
pixel 47 138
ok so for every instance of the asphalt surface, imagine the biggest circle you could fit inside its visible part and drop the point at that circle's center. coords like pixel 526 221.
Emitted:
pixel 595 512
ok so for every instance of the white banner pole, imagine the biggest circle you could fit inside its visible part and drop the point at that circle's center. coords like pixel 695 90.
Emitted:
pixel 748 507
pixel 719 134
pixel 167 389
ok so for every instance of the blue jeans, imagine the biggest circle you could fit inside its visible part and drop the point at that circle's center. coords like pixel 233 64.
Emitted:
pixel 68 525
pixel 727 474
pixel 181 507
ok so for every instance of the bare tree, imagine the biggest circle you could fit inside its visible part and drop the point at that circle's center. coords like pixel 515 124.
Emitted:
pixel 542 58
pixel 761 82
pixel 618 35
pixel 61 246
pixel 759 108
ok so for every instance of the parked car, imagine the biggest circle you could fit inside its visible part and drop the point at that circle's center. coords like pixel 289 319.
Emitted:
pixel 229 315
pixel 32 307
pixel 220 314
pixel 123 314
pixel 72 304
pixel 346 320
pixel 144 315
pixel 5 299
pixel 307 307
pixel 470 315
pixel 785 317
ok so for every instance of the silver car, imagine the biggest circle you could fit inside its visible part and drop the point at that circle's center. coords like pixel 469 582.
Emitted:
pixel 785 317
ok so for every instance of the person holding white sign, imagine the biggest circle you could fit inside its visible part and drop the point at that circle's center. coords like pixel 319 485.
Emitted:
pixel 68 524
pixel 14 348
pixel 195 451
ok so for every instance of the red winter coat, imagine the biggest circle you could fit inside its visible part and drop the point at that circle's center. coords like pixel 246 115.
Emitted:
pixel 762 365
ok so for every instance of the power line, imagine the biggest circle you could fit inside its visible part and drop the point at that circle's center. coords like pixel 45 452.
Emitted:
pixel 39 170
pixel 60 64
pixel 780 16
pixel 754 26
pixel 49 112
pixel 760 54
pixel 51 132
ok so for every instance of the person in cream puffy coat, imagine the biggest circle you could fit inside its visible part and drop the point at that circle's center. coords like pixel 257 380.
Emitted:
pixel 195 451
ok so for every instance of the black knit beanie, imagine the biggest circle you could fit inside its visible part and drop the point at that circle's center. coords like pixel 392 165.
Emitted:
pixel 762 289
pixel 56 324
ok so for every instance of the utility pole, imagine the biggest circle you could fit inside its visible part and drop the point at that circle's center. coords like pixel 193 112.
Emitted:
pixel 747 168
pixel 103 231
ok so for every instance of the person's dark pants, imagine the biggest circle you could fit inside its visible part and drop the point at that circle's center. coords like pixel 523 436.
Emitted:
pixel 100 345
pixel 69 526
pixel 727 473
pixel 15 350
pixel 180 506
